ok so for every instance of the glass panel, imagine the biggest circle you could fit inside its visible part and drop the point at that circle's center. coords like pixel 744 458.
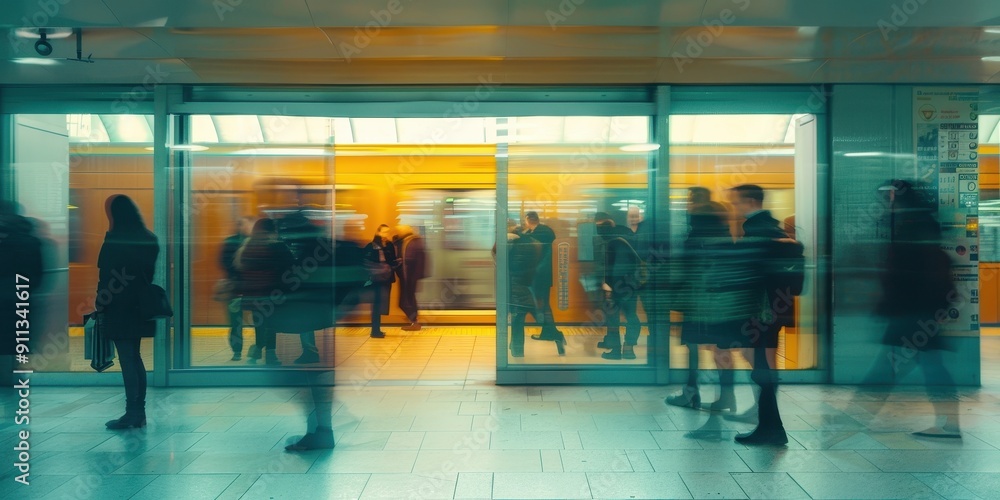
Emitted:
pixel 241 182
pixel 989 221
pixel 65 167
pixel 561 261
pixel 709 154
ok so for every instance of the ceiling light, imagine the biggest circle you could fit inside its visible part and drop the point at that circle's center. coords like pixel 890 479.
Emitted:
pixel 991 59
pixel 995 31
pixel 38 61
pixel 640 147
pixel 866 153
pixel 50 33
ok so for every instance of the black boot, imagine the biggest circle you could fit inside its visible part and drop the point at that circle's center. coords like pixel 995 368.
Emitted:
pixel 134 417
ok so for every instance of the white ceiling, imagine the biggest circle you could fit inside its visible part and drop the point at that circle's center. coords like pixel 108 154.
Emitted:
pixel 514 41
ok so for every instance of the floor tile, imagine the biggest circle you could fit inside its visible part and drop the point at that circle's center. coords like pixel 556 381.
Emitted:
pixel 618 440
pixel 985 485
pixel 934 460
pixel 186 486
pixel 711 485
pixel 595 461
pixel 464 460
pixel 946 486
pixel 771 485
pixel 547 440
pixel 365 462
pixel 862 485
pixel 211 462
pixel 474 485
pixel 292 486
pixel 766 459
pixel 396 486
pixel 637 485
pixel 696 461
pixel 101 487
pixel 551 485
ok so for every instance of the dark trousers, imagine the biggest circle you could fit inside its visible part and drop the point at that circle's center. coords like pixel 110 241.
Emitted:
pixel 543 310
pixel 619 304
pixel 264 337
pixel 767 378
pixel 380 299
pixel 133 372
pixel 518 315
pixel 408 299
pixel 235 310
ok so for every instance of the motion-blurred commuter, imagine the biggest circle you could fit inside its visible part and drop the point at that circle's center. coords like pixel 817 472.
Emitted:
pixel 541 288
pixel 622 273
pixel 22 255
pixel 413 268
pixel 523 255
pixel 762 251
pixel 917 295
pixel 126 265
pixel 382 263
pixel 310 280
pixel 349 276
pixel 262 261
pixel 709 295
pixel 227 259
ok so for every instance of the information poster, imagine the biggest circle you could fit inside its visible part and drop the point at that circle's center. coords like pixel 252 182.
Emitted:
pixel 946 138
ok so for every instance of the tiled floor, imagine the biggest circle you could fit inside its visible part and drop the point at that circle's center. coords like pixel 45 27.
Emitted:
pixel 476 440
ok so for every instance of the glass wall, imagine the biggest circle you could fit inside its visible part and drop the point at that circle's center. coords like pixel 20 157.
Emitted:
pixel 64 168
pixel 709 155
pixel 989 223
pixel 577 194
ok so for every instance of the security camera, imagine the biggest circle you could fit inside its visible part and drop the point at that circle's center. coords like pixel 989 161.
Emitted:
pixel 42 46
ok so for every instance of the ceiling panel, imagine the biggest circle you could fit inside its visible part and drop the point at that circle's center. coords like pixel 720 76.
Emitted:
pixel 210 13
pixel 375 14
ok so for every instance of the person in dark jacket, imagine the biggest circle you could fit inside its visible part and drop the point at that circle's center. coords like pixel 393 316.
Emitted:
pixel 917 294
pixel 714 305
pixel 618 265
pixel 262 261
pixel 759 248
pixel 126 265
pixel 22 256
pixel 227 260
pixel 380 256
pixel 523 254
pixel 541 288
pixel 413 268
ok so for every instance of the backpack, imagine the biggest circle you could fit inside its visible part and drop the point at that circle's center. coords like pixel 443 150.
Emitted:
pixel 637 273
pixel 790 266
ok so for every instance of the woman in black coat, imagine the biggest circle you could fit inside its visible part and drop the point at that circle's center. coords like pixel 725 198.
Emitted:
pixel 380 258
pixel 126 264
pixel 263 261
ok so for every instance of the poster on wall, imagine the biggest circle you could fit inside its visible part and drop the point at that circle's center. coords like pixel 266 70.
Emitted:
pixel 946 139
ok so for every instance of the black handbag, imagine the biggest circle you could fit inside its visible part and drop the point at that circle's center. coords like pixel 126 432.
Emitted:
pixel 153 303
pixel 98 347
